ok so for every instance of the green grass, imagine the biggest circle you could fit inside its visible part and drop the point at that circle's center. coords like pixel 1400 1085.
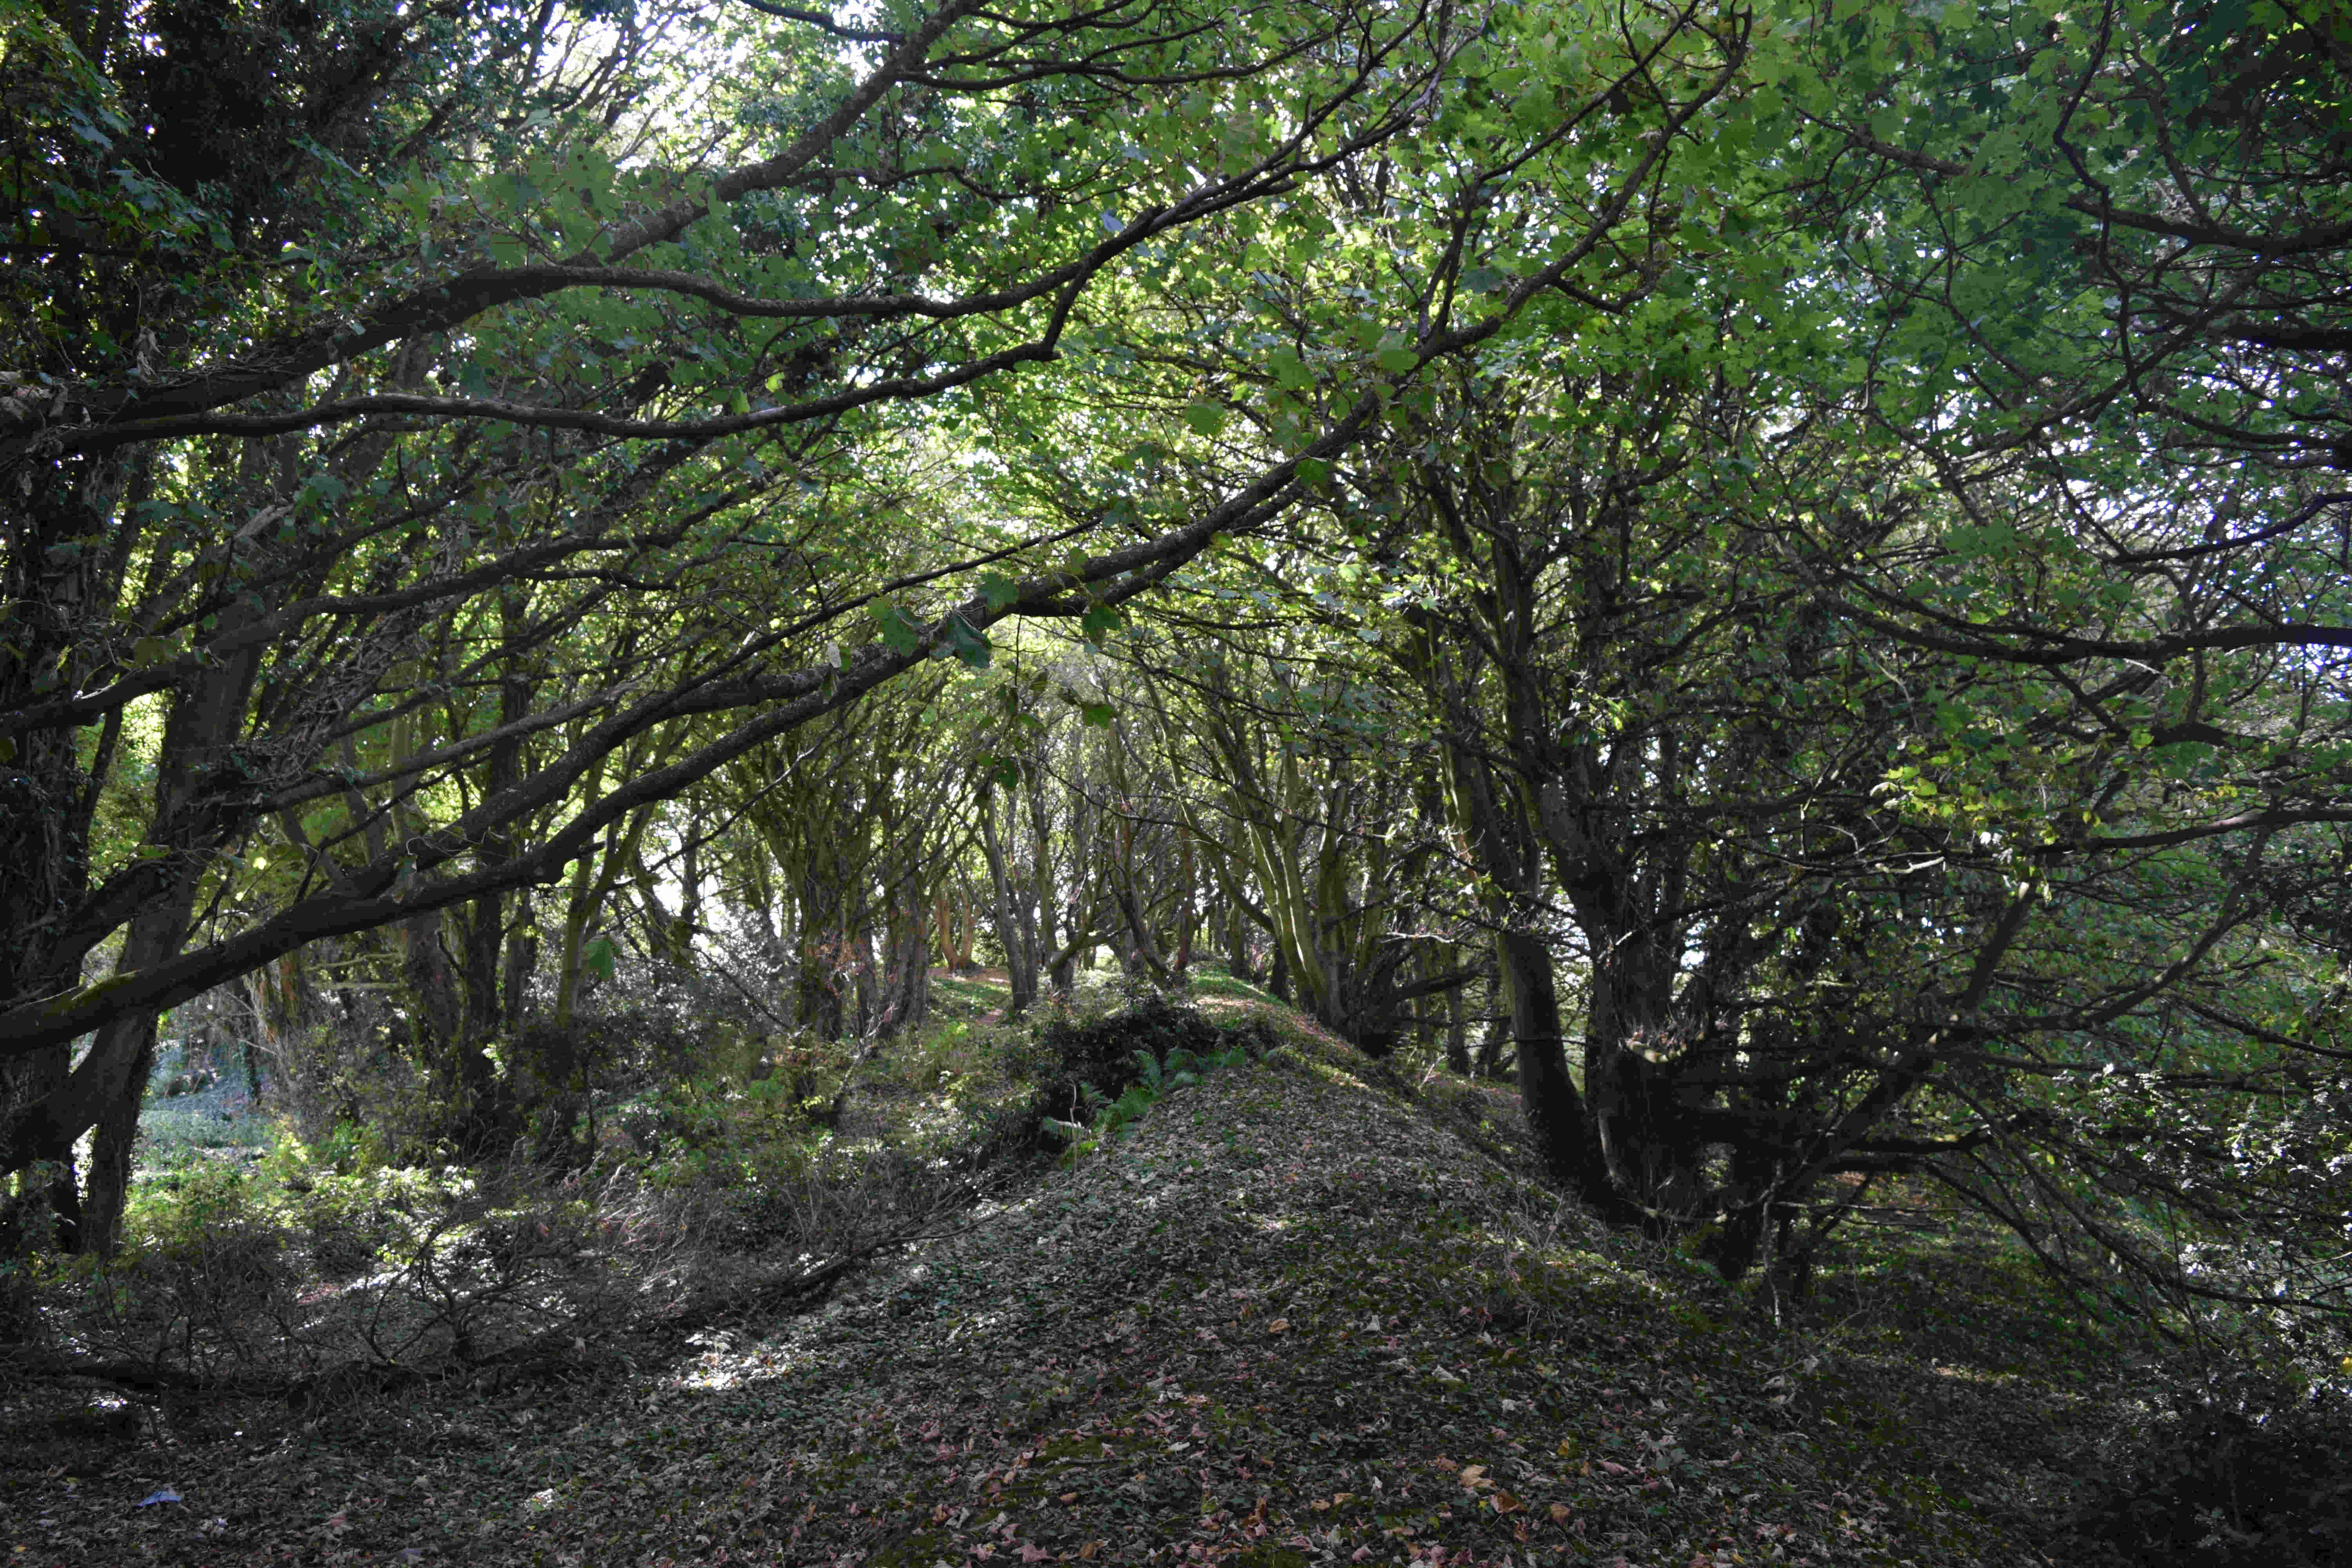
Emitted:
pixel 1214 981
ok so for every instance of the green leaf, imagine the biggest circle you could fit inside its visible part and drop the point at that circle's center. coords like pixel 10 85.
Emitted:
pixel 970 646
pixel 999 590
pixel 1396 362
pixel 1205 418
pixel 897 629
pixel 1098 622
pixel 1095 715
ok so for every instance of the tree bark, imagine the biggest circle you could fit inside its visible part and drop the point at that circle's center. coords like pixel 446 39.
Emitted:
pixel 1457 1024
pixel 1012 933
pixel 195 765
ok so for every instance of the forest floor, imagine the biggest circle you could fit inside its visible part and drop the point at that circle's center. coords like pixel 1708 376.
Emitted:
pixel 1305 1312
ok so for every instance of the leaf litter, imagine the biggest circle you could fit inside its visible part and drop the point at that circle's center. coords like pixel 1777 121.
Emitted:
pixel 1291 1319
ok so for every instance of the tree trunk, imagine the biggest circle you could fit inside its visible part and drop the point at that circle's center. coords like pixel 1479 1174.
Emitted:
pixel 1238 937
pixel 907 987
pixel 1495 1046
pixel 824 956
pixel 1457 1023
pixel 1020 955
pixel 521 964
pixel 195 760
pixel 60 596
pixel 111 1144
pixel 1548 1095
pixel 1144 953
pixel 459 1066
pixel 1649 1133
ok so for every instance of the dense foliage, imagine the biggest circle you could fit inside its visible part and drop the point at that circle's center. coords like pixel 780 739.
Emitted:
pixel 1786 557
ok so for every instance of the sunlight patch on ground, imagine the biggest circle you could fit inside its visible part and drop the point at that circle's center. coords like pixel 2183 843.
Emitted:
pixel 725 1364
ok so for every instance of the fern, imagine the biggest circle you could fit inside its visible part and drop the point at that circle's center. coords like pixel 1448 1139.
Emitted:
pixel 1181 1068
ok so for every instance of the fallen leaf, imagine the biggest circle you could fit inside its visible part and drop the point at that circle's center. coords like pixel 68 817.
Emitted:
pixel 1559 1514
pixel 1506 1503
pixel 1086 1552
pixel 1443 1463
pixel 1613 1466
pixel 161 1494
pixel 1067 1497
pixel 1280 1325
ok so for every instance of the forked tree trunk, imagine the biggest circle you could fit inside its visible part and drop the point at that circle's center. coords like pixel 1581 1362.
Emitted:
pixel 1013 933
pixel 1555 1112
pixel 105 1090
pixel 1237 936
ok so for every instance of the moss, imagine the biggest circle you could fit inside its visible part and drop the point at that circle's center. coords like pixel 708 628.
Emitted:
pixel 917 1548
pixel 1262 1555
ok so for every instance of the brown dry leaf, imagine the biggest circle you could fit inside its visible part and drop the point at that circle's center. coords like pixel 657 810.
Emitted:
pixel 1559 1513
pixel 1280 1325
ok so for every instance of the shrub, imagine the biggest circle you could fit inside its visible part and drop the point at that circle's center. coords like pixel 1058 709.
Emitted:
pixel 2259 1478
pixel 1108 1073
pixel 1104 1053
pixel 204 1256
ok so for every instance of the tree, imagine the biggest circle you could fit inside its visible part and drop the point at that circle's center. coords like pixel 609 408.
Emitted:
pixel 1842 707
pixel 515 368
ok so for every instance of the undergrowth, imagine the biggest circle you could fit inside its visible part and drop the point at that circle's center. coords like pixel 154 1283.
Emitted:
pixel 331 1268
pixel 1931 1368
